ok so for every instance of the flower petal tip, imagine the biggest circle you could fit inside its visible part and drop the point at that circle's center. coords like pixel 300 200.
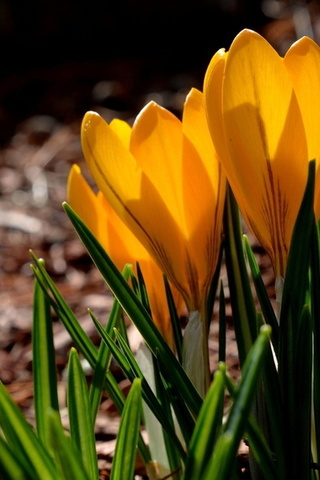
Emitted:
pixel 89 120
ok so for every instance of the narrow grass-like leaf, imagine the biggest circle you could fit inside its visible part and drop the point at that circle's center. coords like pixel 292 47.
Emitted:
pixel 143 290
pixel 114 349
pixel 222 326
pixel 138 314
pixel 183 417
pixel 10 467
pixel 158 451
pixel 114 391
pixel 186 421
pixel 242 304
pixel 295 292
pixel 315 311
pixel 64 312
pixel 116 394
pixel 22 440
pixel 124 460
pixel 176 327
pixel 67 458
pixel 261 452
pixel 124 347
pixel 303 382
pixel 118 399
pixel 104 358
pixel 273 400
pixel 80 418
pixel 267 460
pixel 262 294
pixel 82 342
pixel 214 285
pixel 207 429
pixel 221 463
pixel 296 280
pixel 172 454
pixel 43 365
pixel 132 371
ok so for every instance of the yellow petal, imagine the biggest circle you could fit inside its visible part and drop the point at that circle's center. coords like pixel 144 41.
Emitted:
pixel 267 165
pixel 83 200
pixel 303 64
pixel 203 193
pixel 119 242
pixel 116 174
pixel 122 247
pixel 153 278
pixel 201 168
pixel 180 161
pixel 132 194
pixel 108 158
pixel 100 219
pixel 122 130
pixel 195 127
pixel 213 83
pixel 156 144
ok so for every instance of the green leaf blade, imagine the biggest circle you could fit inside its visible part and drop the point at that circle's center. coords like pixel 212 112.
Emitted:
pixel 81 424
pixel 137 313
pixel 43 366
pixel 123 464
pixel 207 428
pixel 67 458
pixel 222 461
pixel 64 312
pixel 23 441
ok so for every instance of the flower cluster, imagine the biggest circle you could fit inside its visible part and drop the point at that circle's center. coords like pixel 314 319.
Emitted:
pixel 163 179
pixel 162 182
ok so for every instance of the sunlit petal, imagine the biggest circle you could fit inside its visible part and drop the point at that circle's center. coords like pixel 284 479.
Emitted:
pixel 122 246
pixel 213 83
pixel 108 159
pixel 126 187
pixel 122 130
pixel 260 113
pixel 303 64
pixel 204 187
pixel 156 144
pixel 84 201
pixel 203 193
pixel 167 188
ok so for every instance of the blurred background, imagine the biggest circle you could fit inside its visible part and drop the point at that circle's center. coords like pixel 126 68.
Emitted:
pixel 60 58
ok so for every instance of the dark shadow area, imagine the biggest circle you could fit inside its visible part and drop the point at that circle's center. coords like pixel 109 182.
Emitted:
pixel 55 52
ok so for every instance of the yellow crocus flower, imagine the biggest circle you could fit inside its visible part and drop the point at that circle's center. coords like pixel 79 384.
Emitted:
pixel 259 111
pixel 303 64
pixel 163 178
pixel 122 246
